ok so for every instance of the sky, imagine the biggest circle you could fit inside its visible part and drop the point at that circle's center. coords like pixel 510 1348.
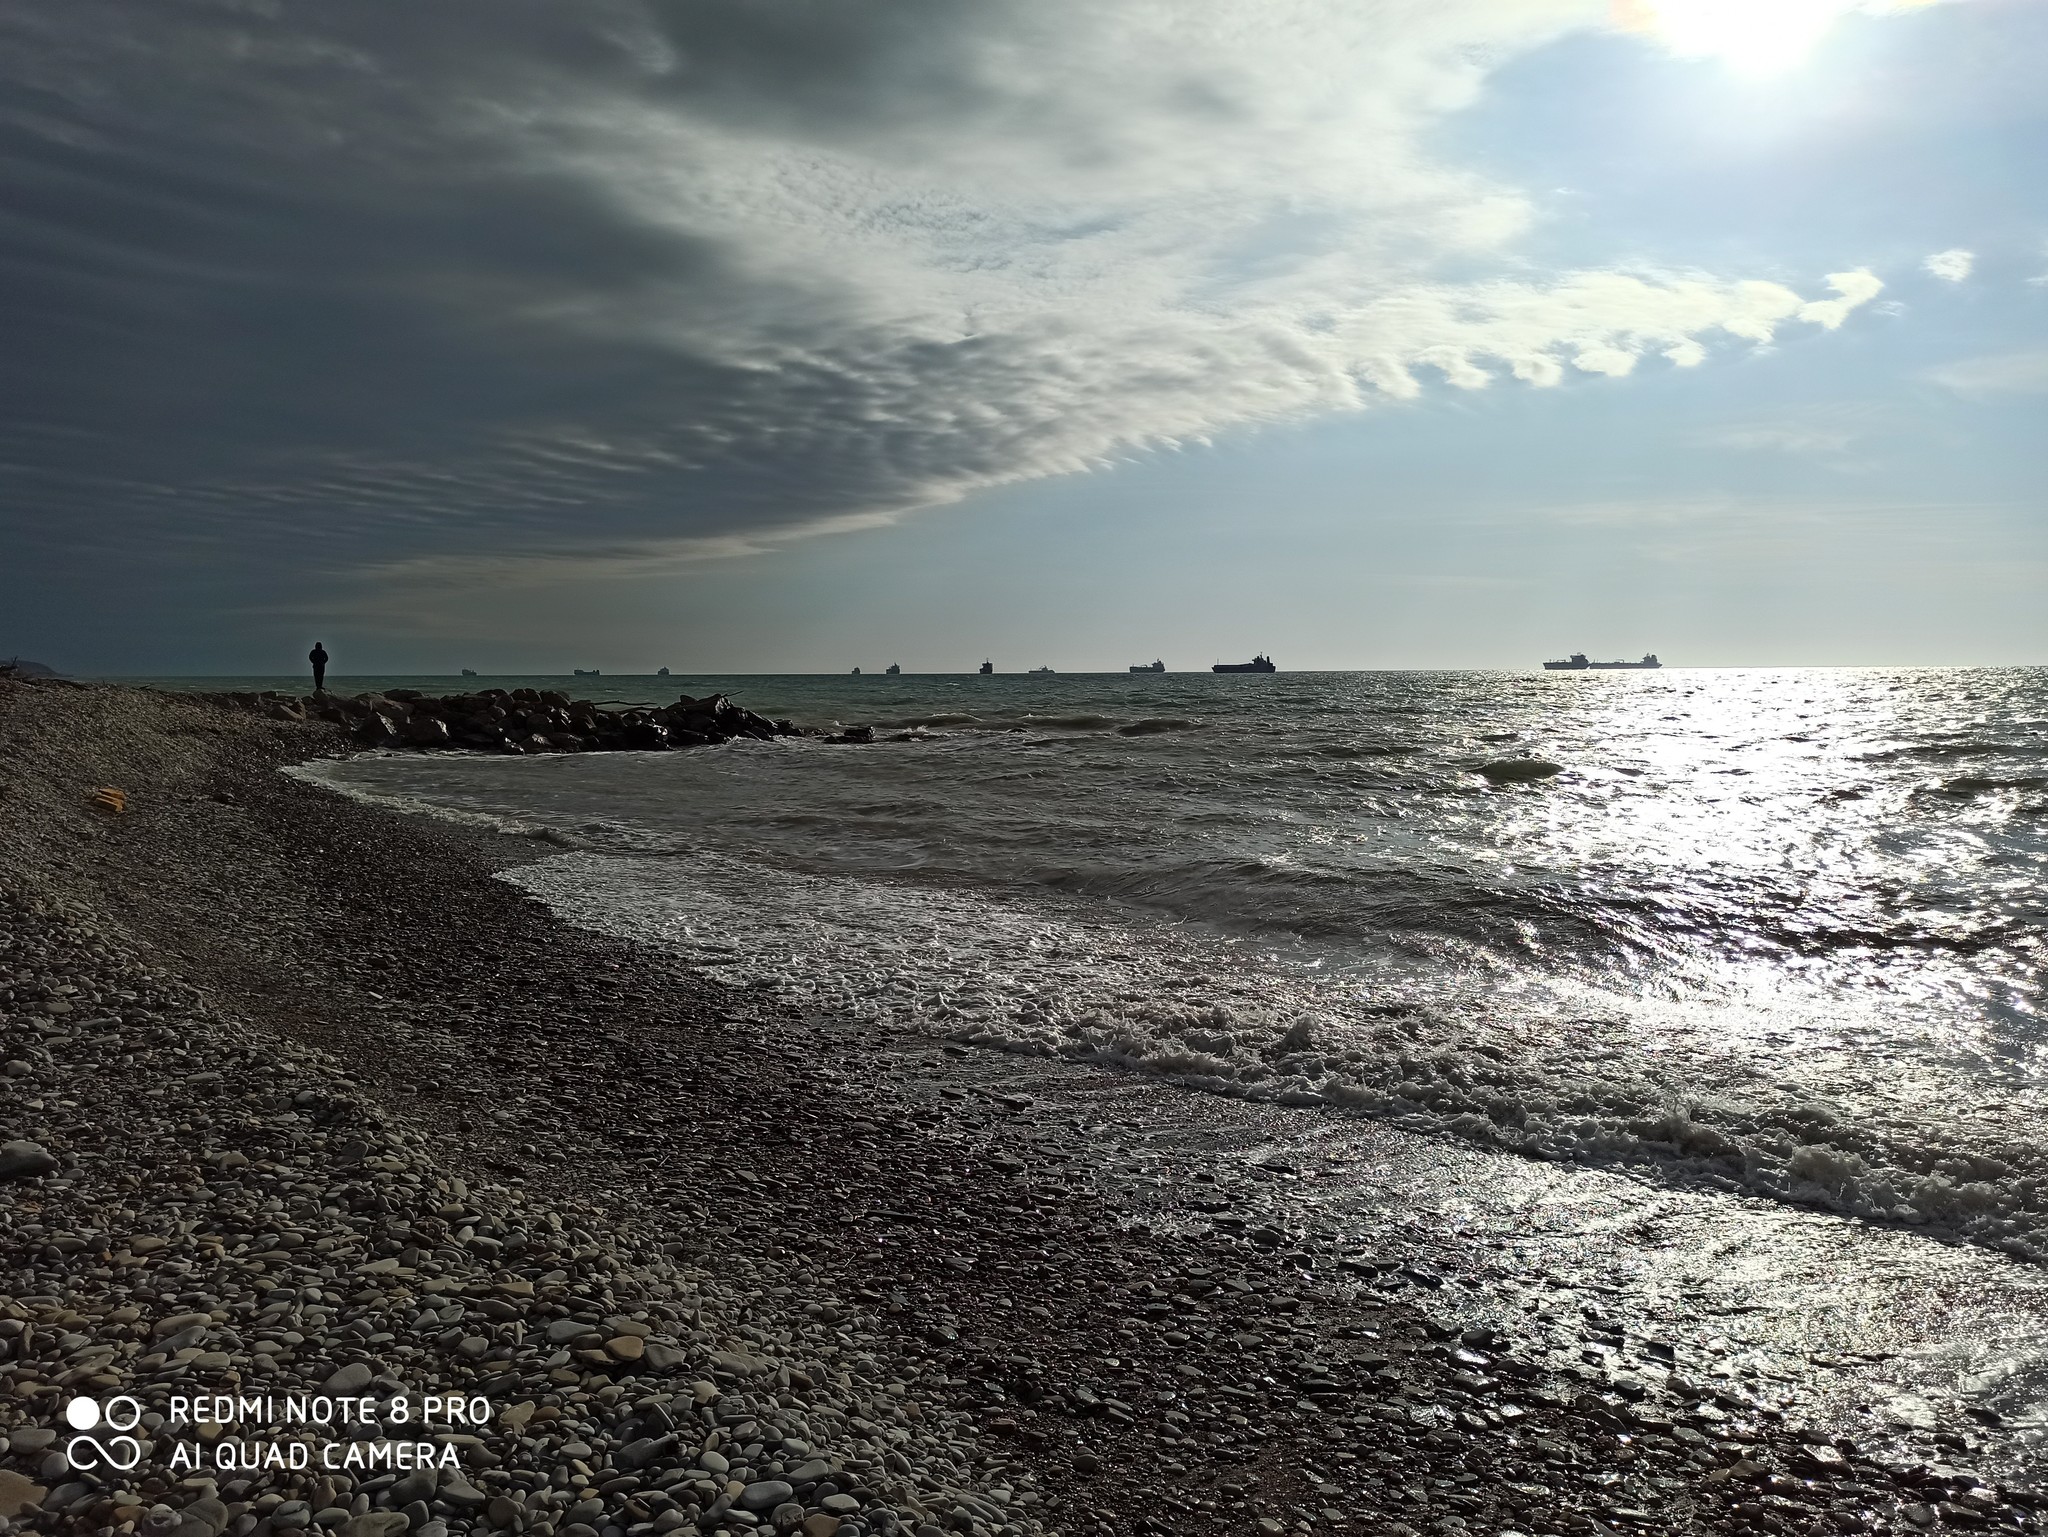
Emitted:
pixel 794 335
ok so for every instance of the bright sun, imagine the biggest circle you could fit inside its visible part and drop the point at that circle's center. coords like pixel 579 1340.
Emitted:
pixel 1757 37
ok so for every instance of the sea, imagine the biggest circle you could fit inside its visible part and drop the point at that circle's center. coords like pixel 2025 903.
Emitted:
pixel 1769 931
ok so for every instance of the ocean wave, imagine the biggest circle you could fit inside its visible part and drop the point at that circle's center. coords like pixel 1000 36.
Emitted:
pixel 1967 749
pixel 497 822
pixel 1157 725
pixel 1750 903
pixel 1069 722
pixel 1038 980
pixel 1971 784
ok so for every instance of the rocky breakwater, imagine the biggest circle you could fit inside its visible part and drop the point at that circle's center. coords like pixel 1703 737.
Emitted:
pixel 523 720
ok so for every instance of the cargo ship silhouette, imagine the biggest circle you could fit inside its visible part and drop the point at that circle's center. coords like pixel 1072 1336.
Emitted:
pixel 1577 662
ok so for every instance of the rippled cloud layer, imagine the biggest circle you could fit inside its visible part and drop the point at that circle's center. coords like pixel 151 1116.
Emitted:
pixel 376 284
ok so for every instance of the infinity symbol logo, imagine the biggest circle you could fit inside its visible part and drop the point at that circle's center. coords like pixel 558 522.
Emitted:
pixel 121 1453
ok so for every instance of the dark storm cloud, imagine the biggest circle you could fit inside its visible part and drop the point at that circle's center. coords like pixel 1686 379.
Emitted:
pixel 367 285
pixel 253 270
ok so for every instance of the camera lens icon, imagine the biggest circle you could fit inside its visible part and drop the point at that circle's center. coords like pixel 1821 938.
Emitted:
pixel 120 1452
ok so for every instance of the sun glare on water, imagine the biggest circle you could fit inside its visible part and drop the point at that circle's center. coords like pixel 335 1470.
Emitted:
pixel 1756 37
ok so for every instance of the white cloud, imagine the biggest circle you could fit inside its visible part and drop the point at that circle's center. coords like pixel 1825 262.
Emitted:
pixel 666 281
pixel 1997 374
pixel 1951 266
pixel 1851 288
pixel 1136 232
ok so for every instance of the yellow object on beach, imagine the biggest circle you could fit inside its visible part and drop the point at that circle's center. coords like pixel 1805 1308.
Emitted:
pixel 109 799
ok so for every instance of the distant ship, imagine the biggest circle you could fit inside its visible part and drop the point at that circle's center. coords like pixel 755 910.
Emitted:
pixel 469 672
pixel 856 672
pixel 1041 669
pixel 1259 663
pixel 1577 663
pixel 586 672
pixel 893 669
pixel 1155 667
pixel 987 668
pixel 661 672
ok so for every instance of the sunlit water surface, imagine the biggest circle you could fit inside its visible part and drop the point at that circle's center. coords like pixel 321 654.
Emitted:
pixel 1779 930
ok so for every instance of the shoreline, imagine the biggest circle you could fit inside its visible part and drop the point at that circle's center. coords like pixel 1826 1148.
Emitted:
pixel 803 1211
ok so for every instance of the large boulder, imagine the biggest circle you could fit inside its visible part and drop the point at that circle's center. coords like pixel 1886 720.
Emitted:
pixel 26 1160
pixel 647 736
pixel 426 731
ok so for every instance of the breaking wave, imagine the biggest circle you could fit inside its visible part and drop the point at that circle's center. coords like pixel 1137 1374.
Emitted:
pixel 1048 979
pixel 1747 930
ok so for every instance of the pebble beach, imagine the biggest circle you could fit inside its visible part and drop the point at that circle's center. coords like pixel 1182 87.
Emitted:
pixel 300 1101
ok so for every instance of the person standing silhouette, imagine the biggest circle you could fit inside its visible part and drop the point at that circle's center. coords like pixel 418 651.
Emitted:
pixel 318 657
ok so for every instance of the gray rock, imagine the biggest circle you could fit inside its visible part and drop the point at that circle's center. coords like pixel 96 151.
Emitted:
pixel 352 1378
pixel 563 1330
pixel 26 1160
pixel 373 1523
pixel 840 1504
pixel 208 1510
pixel 765 1495
pixel 638 1454
pixel 810 1472
pixel 713 1462
pixel 662 1359
pixel 31 1438
pixel 461 1493
pixel 65 1495
pixel 417 1485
